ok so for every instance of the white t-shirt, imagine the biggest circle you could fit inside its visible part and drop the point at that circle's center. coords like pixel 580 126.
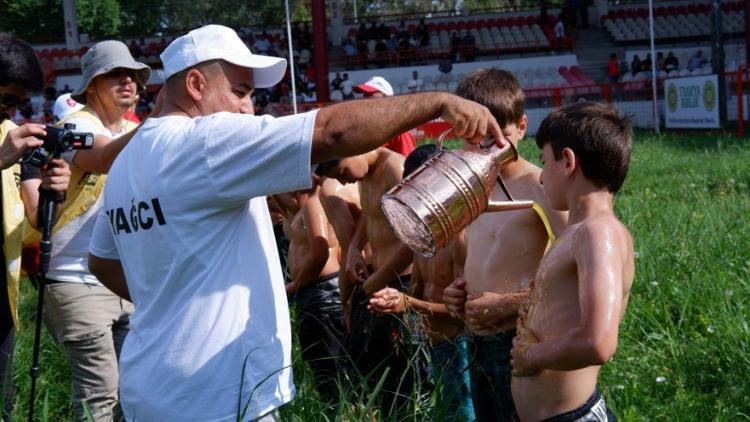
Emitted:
pixel 347 86
pixel 185 212
pixel 414 85
pixel 70 245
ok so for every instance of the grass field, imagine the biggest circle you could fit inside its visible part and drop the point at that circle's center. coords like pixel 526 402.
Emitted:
pixel 683 352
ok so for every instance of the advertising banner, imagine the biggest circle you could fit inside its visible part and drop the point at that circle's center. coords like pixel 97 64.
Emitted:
pixel 692 102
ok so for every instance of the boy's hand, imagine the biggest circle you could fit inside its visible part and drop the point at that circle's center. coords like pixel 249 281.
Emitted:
pixel 454 296
pixel 519 357
pixel 56 175
pixel 387 301
pixel 484 311
pixel 356 266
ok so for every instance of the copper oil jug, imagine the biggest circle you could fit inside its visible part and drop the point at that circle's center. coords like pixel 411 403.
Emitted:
pixel 446 194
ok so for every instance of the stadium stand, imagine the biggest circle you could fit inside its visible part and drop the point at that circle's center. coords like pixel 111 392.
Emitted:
pixel 672 22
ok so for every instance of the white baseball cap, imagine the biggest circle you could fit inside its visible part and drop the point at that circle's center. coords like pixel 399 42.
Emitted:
pixel 65 105
pixel 216 42
pixel 375 84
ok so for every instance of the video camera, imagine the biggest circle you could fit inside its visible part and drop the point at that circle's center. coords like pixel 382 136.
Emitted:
pixel 56 142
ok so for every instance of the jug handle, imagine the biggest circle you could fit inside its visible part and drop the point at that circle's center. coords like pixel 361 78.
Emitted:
pixel 512 204
pixel 445 133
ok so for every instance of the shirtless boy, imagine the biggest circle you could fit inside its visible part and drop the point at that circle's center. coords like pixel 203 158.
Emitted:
pixel 314 268
pixel 371 344
pixel 581 289
pixel 504 250
pixel 448 348
pixel 343 210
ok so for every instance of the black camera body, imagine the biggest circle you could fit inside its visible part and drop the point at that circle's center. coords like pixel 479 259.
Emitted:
pixel 58 141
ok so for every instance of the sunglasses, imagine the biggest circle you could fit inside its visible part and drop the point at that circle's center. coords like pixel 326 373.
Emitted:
pixel 11 100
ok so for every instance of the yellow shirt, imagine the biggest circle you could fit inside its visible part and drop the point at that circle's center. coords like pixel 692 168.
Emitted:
pixel 13 218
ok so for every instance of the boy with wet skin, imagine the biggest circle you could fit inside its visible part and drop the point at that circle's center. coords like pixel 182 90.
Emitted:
pixel 503 252
pixel 371 344
pixel 448 347
pixel 313 262
pixel 569 328
pixel 343 209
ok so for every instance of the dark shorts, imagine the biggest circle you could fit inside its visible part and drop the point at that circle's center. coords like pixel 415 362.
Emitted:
pixel 320 322
pixel 594 410
pixel 378 342
pixel 450 370
pixel 490 376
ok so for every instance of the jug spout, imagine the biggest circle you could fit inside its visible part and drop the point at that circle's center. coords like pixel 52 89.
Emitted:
pixel 496 206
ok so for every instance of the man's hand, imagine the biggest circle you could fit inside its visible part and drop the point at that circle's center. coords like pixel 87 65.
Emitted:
pixel 56 175
pixel 356 266
pixel 18 141
pixel 472 121
pixel 454 297
pixel 388 301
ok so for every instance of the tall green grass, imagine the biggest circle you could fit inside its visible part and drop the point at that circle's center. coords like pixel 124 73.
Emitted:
pixel 683 352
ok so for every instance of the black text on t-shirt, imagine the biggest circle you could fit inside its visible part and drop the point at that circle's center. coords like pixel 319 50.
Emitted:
pixel 141 216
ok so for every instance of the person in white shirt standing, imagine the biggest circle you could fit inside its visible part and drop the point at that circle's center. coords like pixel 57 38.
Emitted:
pixel 415 83
pixel 88 321
pixel 185 230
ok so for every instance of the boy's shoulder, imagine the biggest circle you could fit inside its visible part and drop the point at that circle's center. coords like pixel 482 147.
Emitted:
pixel 603 230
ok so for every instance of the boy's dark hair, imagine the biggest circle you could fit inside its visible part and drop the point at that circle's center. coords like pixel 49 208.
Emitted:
pixel 19 64
pixel 599 137
pixel 325 167
pixel 418 157
pixel 496 89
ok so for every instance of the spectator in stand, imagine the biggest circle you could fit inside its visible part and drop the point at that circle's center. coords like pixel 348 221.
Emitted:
pixel 403 32
pixel 381 53
pixel 647 63
pixel 304 56
pixel 350 50
pixel 613 68
pixel 671 63
pixel 560 32
pixel 336 82
pixel 373 32
pixel 135 49
pixel 362 52
pixel 383 32
pixel 636 66
pixel 455 47
pixel 347 87
pixel 660 66
pixel 362 34
pixel 469 46
pixel 696 61
pixel 444 67
pixel 543 13
pixel 415 83
pixel 261 45
pixel 393 48
pixel 378 87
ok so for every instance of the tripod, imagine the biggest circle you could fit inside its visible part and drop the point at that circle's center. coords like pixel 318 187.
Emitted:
pixel 48 201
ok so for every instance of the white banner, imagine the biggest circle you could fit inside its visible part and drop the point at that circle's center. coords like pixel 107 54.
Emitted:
pixel 692 102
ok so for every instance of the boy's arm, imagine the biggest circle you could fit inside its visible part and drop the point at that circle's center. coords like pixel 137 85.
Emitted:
pixel 317 240
pixel 356 266
pixel 400 260
pixel 597 250
pixel 488 312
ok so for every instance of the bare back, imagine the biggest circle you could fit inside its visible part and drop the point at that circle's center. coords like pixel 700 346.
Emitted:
pixel 430 277
pixel 383 175
pixel 554 311
pixel 311 223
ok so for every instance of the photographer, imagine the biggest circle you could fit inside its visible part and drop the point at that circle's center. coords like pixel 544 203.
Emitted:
pixel 20 75
pixel 83 316
pixel 185 218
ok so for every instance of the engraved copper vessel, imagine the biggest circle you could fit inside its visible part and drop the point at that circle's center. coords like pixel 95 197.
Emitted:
pixel 447 193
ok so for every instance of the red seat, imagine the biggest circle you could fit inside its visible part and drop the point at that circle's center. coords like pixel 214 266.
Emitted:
pixel 471 24
pixel 481 23
pixel 461 25
pixel 643 13
pixel 660 11
pixel 671 10
pixel 352 33
pixel 451 26
pixel 502 22
pixel 692 8
pixel 441 26
pixel 431 27
pixel 681 10
pixel 530 20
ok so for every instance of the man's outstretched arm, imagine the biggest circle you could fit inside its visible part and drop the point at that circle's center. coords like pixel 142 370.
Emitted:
pixel 355 127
